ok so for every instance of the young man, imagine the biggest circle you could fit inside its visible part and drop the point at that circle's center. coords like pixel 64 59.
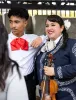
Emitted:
pixel 20 49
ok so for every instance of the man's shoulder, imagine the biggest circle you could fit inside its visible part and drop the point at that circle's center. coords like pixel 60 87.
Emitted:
pixel 31 36
pixel 9 35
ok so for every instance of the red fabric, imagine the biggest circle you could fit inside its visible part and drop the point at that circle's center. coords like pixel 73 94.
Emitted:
pixel 19 43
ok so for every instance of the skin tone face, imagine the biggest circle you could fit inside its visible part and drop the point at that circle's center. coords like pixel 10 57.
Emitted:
pixel 53 30
pixel 17 25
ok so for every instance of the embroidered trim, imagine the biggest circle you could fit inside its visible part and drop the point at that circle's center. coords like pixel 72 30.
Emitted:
pixel 59 71
pixel 69 91
pixel 41 64
pixel 74 49
pixel 58 47
pixel 66 82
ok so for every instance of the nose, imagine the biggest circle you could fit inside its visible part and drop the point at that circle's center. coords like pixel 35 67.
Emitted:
pixel 49 28
pixel 12 25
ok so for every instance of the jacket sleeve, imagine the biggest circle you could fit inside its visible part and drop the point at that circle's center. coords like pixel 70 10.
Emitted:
pixel 17 89
pixel 68 71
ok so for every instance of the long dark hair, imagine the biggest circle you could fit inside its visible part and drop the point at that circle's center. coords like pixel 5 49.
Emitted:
pixel 5 62
pixel 59 20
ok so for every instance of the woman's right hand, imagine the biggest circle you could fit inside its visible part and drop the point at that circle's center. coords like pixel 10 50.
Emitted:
pixel 49 71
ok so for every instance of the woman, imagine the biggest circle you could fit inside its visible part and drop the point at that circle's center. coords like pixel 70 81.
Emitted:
pixel 12 84
pixel 63 49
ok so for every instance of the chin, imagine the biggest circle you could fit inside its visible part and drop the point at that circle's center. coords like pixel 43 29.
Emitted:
pixel 15 33
pixel 50 37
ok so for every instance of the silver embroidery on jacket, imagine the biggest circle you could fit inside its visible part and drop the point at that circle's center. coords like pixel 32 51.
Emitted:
pixel 41 64
pixel 66 82
pixel 59 71
pixel 69 91
pixel 74 49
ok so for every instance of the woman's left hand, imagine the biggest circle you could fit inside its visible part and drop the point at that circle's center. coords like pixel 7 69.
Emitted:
pixel 49 71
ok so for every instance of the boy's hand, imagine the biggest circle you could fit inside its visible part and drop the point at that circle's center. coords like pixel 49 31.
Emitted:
pixel 37 42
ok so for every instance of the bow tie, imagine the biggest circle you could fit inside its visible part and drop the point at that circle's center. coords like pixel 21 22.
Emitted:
pixel 19 43
pixel 49 45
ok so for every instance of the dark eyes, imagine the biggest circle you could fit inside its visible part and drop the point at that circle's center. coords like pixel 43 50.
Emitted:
pixel 10 21
pixel 14 21
pixel 53 25
pixel 50 25
pixel 47 25
pixel 17 21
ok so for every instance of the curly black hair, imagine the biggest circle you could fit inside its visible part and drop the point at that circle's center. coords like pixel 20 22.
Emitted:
pixel 19 12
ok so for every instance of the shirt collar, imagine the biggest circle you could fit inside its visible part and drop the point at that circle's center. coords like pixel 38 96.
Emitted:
pixel 13 36
pixel 57 40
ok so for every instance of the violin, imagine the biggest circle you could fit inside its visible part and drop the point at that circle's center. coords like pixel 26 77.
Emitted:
pixel 49 86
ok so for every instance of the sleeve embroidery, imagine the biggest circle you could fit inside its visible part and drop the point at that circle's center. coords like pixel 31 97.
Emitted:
pixel 59 71
pixel 74 49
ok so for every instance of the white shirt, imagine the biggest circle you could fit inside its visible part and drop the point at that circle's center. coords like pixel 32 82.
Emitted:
pixel 57 40
pixel 24 58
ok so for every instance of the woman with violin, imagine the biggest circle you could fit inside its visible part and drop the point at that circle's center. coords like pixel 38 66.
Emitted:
pixel 56 62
